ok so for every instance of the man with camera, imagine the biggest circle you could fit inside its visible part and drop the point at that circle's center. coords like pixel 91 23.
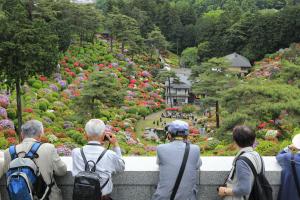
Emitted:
pixel 179 163
pixel 106 162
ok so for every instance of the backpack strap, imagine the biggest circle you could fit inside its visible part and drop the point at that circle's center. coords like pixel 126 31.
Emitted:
pixel 181 171
pixel 13 152
pixel 34 148
pixel 294 171
pixel 98 160
pixel 103 186
pixel 250 164
pixel 86 164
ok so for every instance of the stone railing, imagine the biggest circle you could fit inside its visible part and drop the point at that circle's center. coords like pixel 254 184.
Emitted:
pixel 140 178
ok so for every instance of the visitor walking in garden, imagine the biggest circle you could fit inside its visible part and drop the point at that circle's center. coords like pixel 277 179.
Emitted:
pixel 106 162
pixel 239 183
pixel 179 163
pixel 289 160
pixel 45 158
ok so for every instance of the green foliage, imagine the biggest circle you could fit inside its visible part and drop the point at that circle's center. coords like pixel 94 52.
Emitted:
pixel 268 148
pixel 290 73
pixel 102 88
pixel 3 143
pixel 37 84
pixel 230 121
pixel 156 40
pixel 261 99
pixel 163 75
pixel 188 108
pixel 33 49
pixel 43 104
pixel 77 137
pixel 212 144
pixel 213 77
pixel 125 29
pixel 189 57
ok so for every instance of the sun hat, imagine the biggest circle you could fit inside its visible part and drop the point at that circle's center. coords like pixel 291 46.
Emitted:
pixel 296 141
pixel 178 128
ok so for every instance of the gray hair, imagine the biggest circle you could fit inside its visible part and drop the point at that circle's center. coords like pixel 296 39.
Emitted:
pixel 32 129
pixel 95 127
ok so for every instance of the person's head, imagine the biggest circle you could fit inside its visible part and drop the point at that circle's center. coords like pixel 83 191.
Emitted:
pixel 296 141
pixel 178 128
pixel 95 130
pixel 32 129
pixel 243 136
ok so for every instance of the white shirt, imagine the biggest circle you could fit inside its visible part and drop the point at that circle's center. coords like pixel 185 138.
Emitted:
pixel 110 163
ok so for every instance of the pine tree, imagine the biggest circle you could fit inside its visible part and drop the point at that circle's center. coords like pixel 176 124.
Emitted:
pixel 27 45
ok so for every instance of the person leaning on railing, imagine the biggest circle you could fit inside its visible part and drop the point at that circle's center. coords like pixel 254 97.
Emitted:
pixel 289 160
pixel 179 163
pixel 239 183
pixel 110 161
pixel 46 158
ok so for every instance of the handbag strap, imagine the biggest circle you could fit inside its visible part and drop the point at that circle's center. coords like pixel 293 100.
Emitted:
pixel 293 163
pixel 181 171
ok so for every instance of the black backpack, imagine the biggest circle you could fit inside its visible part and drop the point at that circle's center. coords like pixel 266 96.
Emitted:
pixel 87 185
pixel 261 189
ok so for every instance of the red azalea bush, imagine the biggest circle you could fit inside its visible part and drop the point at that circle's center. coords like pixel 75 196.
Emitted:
pixel 28 110
pixel 10 133
pixel 43 78
pixel 12 140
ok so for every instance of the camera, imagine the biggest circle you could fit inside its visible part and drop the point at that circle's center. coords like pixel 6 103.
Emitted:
pixel 106 138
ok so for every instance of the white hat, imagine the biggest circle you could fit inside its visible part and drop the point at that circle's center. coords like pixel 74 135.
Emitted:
pixel 296 141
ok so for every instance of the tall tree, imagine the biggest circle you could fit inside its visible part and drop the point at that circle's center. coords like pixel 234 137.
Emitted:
pixel 27 45
pixel 156 41
pixel 86 20
pixel 213 77
pixel 121 27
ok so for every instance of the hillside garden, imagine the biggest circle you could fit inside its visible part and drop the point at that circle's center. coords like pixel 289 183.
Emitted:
pixel 64 63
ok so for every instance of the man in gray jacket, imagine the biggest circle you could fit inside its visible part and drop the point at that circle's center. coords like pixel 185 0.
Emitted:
pixel 169 159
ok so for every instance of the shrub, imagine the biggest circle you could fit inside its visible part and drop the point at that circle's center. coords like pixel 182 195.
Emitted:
pixel 231 121
pixel 188 108
pixel 37 84
pixel 268 148
pixel 50 115
pixel 31 81
pixel 212 144
pixel 108 57
pixel 43 104
pixel 3 143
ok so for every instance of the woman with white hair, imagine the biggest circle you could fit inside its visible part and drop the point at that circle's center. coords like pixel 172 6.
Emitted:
pixel 289 160
pixel 111 160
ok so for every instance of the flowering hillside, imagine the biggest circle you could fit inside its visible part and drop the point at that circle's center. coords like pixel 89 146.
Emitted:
pixel 53 100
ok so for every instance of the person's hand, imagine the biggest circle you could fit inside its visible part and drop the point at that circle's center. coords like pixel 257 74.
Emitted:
pixel 112 139
pixel 292 147
pixel 222 192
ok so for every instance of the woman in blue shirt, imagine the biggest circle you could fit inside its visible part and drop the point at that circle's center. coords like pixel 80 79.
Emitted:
pixel 288 189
